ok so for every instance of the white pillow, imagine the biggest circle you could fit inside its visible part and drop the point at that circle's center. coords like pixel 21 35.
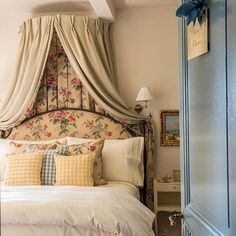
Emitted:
pixel 122 160
pixel 5 149
pixel 74 141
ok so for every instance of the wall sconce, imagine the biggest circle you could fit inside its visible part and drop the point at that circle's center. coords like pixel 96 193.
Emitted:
pixel 144 95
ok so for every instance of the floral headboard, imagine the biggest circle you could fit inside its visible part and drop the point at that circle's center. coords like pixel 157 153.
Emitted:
pixel 70 122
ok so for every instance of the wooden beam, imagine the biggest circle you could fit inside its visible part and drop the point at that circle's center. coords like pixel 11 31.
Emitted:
pixel 104 9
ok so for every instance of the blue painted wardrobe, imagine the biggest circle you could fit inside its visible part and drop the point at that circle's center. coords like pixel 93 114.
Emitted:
pixel 208 118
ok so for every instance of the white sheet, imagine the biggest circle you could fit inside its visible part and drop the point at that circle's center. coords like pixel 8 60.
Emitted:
pixel 70 211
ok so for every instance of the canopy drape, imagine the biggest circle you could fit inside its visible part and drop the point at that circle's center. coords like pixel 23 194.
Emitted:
pixel 35 39
pixel 87 44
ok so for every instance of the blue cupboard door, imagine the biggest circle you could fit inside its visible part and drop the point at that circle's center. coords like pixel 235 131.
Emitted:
pixel 231 88
pixel 204 148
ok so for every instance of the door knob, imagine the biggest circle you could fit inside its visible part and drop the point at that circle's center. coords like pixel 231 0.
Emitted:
pixel 173 217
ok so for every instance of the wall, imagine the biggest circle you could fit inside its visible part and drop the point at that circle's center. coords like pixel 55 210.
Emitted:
pixel 9 28
pixel 146 48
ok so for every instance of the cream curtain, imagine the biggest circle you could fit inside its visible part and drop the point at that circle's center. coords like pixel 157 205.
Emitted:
pixel 87 43
pixel 35 38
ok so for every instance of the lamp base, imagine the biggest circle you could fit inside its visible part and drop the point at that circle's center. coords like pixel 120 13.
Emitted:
pixel 138 108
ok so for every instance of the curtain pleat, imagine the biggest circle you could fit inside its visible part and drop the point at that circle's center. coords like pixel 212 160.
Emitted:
pixel 32 54
pixel 82 41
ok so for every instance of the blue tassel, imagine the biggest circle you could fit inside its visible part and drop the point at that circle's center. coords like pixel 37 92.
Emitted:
pixel 192 10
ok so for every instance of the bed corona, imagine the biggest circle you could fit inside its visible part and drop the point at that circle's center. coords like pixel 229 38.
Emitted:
pixel 86 161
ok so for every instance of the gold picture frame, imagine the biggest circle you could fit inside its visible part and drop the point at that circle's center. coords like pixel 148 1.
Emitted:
pixel 170 135
pixel 176 175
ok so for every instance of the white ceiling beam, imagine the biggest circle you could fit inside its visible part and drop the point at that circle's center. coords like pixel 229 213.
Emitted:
pixel 104 9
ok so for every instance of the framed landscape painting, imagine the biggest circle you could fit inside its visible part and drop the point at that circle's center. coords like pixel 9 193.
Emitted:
pixel 170 135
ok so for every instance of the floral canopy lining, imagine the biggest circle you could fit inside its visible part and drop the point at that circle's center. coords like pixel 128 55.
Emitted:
pixel 60 110
pixel 61 86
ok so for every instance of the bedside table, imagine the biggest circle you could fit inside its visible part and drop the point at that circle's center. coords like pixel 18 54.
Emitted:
pixel 166 198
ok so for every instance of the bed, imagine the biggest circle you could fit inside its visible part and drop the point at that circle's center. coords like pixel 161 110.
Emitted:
pixel 116 208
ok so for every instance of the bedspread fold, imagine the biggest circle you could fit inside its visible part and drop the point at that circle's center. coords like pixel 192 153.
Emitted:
pixel 94 209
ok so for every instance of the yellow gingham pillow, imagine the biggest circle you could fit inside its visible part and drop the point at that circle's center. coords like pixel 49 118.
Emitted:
pixel 23 169
pixel 75 170
pixel 87 148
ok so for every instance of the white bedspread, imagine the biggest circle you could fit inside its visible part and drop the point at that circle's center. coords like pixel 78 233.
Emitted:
pixel 70 211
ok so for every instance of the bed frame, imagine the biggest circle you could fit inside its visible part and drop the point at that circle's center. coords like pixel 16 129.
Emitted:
pixel 64 107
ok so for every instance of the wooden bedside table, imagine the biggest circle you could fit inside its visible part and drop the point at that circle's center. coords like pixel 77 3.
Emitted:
pixel 166 198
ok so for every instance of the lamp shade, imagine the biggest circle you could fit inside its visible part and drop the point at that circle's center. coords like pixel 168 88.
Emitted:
pixel 144 95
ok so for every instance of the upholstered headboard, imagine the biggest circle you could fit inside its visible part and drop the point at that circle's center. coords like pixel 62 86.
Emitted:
pixel 73 123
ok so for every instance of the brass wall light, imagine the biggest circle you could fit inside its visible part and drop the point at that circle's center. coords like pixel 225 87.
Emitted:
pixel 144 95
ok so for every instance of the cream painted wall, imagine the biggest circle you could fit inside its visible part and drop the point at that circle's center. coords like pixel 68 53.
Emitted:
pixel 146 48
pixel 9 28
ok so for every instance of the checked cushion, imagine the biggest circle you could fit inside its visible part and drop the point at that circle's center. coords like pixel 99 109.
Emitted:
pixel 48 171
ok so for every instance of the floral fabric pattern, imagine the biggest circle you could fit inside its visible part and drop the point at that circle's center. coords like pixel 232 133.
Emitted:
pixel 60 87
pixel 17 148
pixel 72 123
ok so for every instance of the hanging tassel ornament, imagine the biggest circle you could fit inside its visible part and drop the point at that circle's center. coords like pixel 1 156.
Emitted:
pixel 193 10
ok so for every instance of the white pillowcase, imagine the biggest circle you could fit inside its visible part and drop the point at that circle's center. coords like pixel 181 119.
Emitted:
pixel 5 149
pixel 74 141
pixel 122 160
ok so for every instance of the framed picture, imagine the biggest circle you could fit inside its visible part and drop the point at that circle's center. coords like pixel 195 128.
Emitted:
pixel 169 128
pixel 176 175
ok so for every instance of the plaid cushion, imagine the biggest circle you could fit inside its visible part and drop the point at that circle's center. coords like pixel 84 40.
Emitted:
pixel 48 172
pixel 75 170
pixel 91 147
pixel 23 169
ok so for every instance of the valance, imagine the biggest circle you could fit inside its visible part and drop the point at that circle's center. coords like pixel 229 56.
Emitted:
pixel 87 44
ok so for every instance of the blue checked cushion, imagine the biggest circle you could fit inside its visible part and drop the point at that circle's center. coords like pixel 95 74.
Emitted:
pixel 48 171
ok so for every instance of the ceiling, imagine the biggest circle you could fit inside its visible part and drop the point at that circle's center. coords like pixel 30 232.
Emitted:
pixel 143 3
pixel 41 6
pixel 28 6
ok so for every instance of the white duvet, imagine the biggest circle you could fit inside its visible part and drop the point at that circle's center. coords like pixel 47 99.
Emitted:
pixel 72 211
